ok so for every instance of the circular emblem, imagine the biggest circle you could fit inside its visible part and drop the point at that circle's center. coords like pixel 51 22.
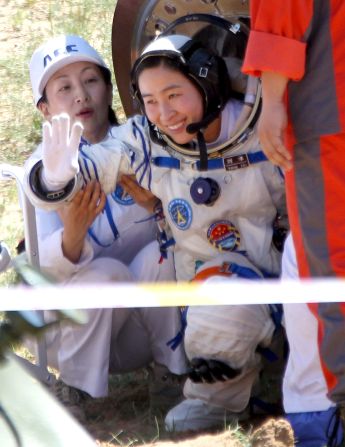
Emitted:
pixel 224 236
pixel 121 197
pixel 204 191
pixel 181 213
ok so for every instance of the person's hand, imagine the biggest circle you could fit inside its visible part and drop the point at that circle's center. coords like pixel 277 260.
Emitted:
pixel 60 148
pixel 271 128
pixel 77 217
pixel 141 196
pixel 273 119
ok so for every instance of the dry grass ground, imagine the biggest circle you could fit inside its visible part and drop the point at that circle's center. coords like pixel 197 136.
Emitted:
pixel 125 419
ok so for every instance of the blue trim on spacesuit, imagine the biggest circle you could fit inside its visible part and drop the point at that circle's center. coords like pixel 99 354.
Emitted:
pixel 177 340
pixel 106 206
pixel 213 163
pixel 86 159
pixel 146 161
pixel 112 225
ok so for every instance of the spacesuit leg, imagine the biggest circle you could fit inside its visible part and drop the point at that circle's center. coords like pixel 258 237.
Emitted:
pixel 230 334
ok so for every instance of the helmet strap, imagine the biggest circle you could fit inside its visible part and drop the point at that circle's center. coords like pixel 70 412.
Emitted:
pixel 199 129
pixel 202 151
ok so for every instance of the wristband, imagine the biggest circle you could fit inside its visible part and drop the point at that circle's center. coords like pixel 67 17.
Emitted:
pixel 47 196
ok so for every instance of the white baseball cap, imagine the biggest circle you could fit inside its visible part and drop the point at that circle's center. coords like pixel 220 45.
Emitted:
pixel 55 54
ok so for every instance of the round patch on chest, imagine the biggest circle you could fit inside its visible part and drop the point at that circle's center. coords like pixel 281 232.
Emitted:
pixel 224 236
pixel 121 197
pixel 181 213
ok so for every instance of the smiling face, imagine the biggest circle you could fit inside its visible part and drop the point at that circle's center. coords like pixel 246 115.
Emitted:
pixel 79 89
pixel 171 101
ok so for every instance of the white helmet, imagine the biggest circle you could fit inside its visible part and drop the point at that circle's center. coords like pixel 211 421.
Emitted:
pixel 204 68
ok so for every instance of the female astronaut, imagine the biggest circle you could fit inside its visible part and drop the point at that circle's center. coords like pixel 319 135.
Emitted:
pixel 219 204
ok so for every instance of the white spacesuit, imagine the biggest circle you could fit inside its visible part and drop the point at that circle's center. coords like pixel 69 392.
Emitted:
pixel 221 221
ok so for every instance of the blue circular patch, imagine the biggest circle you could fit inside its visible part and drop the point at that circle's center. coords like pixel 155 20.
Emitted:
pixel 121 197
pixel 181 213
pixel 224 236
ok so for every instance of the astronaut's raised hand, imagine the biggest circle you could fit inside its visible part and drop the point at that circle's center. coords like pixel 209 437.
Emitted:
pixel 60 148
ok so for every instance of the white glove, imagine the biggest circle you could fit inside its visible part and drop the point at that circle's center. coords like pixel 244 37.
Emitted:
pixel 60 148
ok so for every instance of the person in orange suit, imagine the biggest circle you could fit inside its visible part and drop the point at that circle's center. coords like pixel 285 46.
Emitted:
pixel 298 49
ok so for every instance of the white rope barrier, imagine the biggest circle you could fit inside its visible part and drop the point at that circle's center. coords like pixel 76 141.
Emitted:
pixel 169 294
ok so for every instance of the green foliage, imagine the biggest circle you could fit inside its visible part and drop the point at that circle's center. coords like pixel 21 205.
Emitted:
pixel 10 225
pixel 240 435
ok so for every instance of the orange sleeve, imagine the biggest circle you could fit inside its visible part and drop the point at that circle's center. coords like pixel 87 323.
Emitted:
pixel 277 38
